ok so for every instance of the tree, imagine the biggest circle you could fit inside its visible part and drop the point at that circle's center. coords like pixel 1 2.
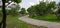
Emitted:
pixel 14 8
pixel 23 11
pixel 37 9
pixel 31 10
pixel 41 9
pixel 58 12
pixel 4 12
pixel 4 15
pixel 50 6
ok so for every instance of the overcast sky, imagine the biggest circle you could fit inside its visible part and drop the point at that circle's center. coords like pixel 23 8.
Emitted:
pixel 28 3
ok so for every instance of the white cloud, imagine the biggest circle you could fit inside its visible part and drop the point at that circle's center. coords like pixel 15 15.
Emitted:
pixel 31 3
pixel 40 0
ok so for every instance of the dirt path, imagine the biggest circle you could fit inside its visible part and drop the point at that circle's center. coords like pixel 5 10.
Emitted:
pixel 40 22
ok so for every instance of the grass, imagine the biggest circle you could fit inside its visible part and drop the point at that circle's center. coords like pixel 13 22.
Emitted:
pixel 49 17
pixel 14 22
pixel 0 18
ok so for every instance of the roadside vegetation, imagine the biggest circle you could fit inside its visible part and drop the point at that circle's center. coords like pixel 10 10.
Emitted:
pixel 14 22
pixel 45 11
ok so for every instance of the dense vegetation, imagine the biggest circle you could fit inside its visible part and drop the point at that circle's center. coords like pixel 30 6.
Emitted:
pixel 45 11
pixel 23 11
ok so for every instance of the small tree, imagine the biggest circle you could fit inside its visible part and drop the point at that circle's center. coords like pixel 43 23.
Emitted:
pixel 31 11
pixel 58 12
pixel 23 11
pixel 41 8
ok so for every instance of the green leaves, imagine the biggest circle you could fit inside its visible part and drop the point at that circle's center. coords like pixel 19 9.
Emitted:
pixel 17 1
pixel 41 9
pixel 51 5
pixel 23 11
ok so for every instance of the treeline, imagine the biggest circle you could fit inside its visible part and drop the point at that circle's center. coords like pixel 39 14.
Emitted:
pixel 44 8
pixel 17 11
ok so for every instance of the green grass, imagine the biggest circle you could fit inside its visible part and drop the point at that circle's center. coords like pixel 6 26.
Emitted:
pixel 0 18
pixel 13 21
pixel 49 17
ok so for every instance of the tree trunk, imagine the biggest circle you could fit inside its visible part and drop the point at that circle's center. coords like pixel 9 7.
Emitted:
pixel 4 14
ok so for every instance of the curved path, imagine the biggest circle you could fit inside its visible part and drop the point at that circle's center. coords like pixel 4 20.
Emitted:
pixel 40 22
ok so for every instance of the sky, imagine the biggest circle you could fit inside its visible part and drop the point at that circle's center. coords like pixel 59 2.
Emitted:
pixel 27 3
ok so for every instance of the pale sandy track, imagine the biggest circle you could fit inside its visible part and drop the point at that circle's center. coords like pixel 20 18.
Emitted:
pixel 40 22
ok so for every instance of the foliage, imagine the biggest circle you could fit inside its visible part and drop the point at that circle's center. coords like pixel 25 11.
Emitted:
pixel 49 17
pixel 58 12
pixel 23 11
pixel 50 6
pixel 59 4
pixel 13 11
pixel 17 1
pixel 31 10
pixel 41 9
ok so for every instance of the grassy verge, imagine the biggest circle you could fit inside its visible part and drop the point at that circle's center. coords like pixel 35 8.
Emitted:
pixel 49 17
pixel 14 22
